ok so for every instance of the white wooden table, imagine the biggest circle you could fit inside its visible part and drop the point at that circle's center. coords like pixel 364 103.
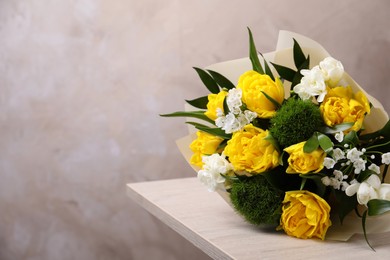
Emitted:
pixel 207 221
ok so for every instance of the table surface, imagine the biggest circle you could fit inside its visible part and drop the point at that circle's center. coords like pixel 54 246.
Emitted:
pixel 207 221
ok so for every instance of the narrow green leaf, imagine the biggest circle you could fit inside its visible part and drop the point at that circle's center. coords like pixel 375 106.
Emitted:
pixel 298 76
pixel 351 138
pixel 284 72
pixel 273 141
pixel 195 114
pixel 325 142
pixel 208 81
pixel 303 182
pixel 226 109
pixel 345 204
pixel 364 175
pixel 273 101
pixel 267 69
pixel 378 207
pixel 199 102
pixel 311 144
pixel 221 80
pixel 385 131
pixel 364 217
pixel 215 131
pixel 253 54
pixel 299 56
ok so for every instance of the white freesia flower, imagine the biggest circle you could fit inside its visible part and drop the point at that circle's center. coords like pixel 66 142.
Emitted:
pixel 386 158
pixel 312 84
pixel 384 191
pixel 365 191
pixel 332 70
pixel 214 166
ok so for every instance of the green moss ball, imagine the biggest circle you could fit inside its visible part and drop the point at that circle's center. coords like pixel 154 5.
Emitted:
pixel 256 200
pixel 295 121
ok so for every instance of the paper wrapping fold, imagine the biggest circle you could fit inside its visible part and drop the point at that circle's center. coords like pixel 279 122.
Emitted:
pixel 284 55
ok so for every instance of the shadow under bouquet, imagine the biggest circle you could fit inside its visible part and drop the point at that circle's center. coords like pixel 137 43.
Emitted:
pixel 293 142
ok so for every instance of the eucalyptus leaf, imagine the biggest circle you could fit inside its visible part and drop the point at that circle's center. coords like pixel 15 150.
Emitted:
pixel 199 102
pixel 325 142
pixel 221 80
pixel 208 81
pixel 195 114
pixel 311 144
pixel 256 65
pixel 378 207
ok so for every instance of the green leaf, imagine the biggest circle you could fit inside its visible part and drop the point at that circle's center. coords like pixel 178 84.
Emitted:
pixel 208 81
pixel 351 138
pixel 215 131
pixel 221 80
pixel 199 102
pixel 364 175
pixel 345 204
pixel 325 142
pixel 299 56
pixel 298 76
pixel 311 144
pixel 253 55
pixel 267 69
pixel 385 132
pixel 337 128
pixel 226 109
pixel 364 217
pixel 273 101
pixel 273 141
pixel 378 207
pixel 284 72
pixel 195 114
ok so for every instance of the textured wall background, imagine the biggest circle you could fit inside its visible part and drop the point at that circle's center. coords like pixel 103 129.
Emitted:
pixel 82 83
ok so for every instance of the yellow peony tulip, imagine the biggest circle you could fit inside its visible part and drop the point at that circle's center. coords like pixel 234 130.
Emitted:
pixel 301 162
pixel 252 84
pixel 249 151
pixel 205 144
pixel 215 102
pixel 305 215
pixel 342 106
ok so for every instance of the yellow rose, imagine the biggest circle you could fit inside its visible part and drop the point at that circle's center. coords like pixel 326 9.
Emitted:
pixel 342 106
pixel 249 151
pixel 205 144
pixel 215 102
pixel 305 215
pixel 301 162
pixel 252 84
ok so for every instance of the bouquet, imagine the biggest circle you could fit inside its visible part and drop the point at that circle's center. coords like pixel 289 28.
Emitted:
pixel 291 139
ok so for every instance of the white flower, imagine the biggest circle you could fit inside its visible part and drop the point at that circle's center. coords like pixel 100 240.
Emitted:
pixel 329 163
pixel 365 191
pixel 312 84
pixel 326 181
pixel 232 123
pixel 386 158
pixel 384 191
pixel 338 175
pixel 214 166
pixel 233 100
pixel 354 154
pixel 332 70
pixel 338 154
pixel 339 136
pixel 360 165
pixel 375 168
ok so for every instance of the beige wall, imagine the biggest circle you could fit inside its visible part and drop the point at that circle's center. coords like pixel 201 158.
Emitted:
pixel 82 83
